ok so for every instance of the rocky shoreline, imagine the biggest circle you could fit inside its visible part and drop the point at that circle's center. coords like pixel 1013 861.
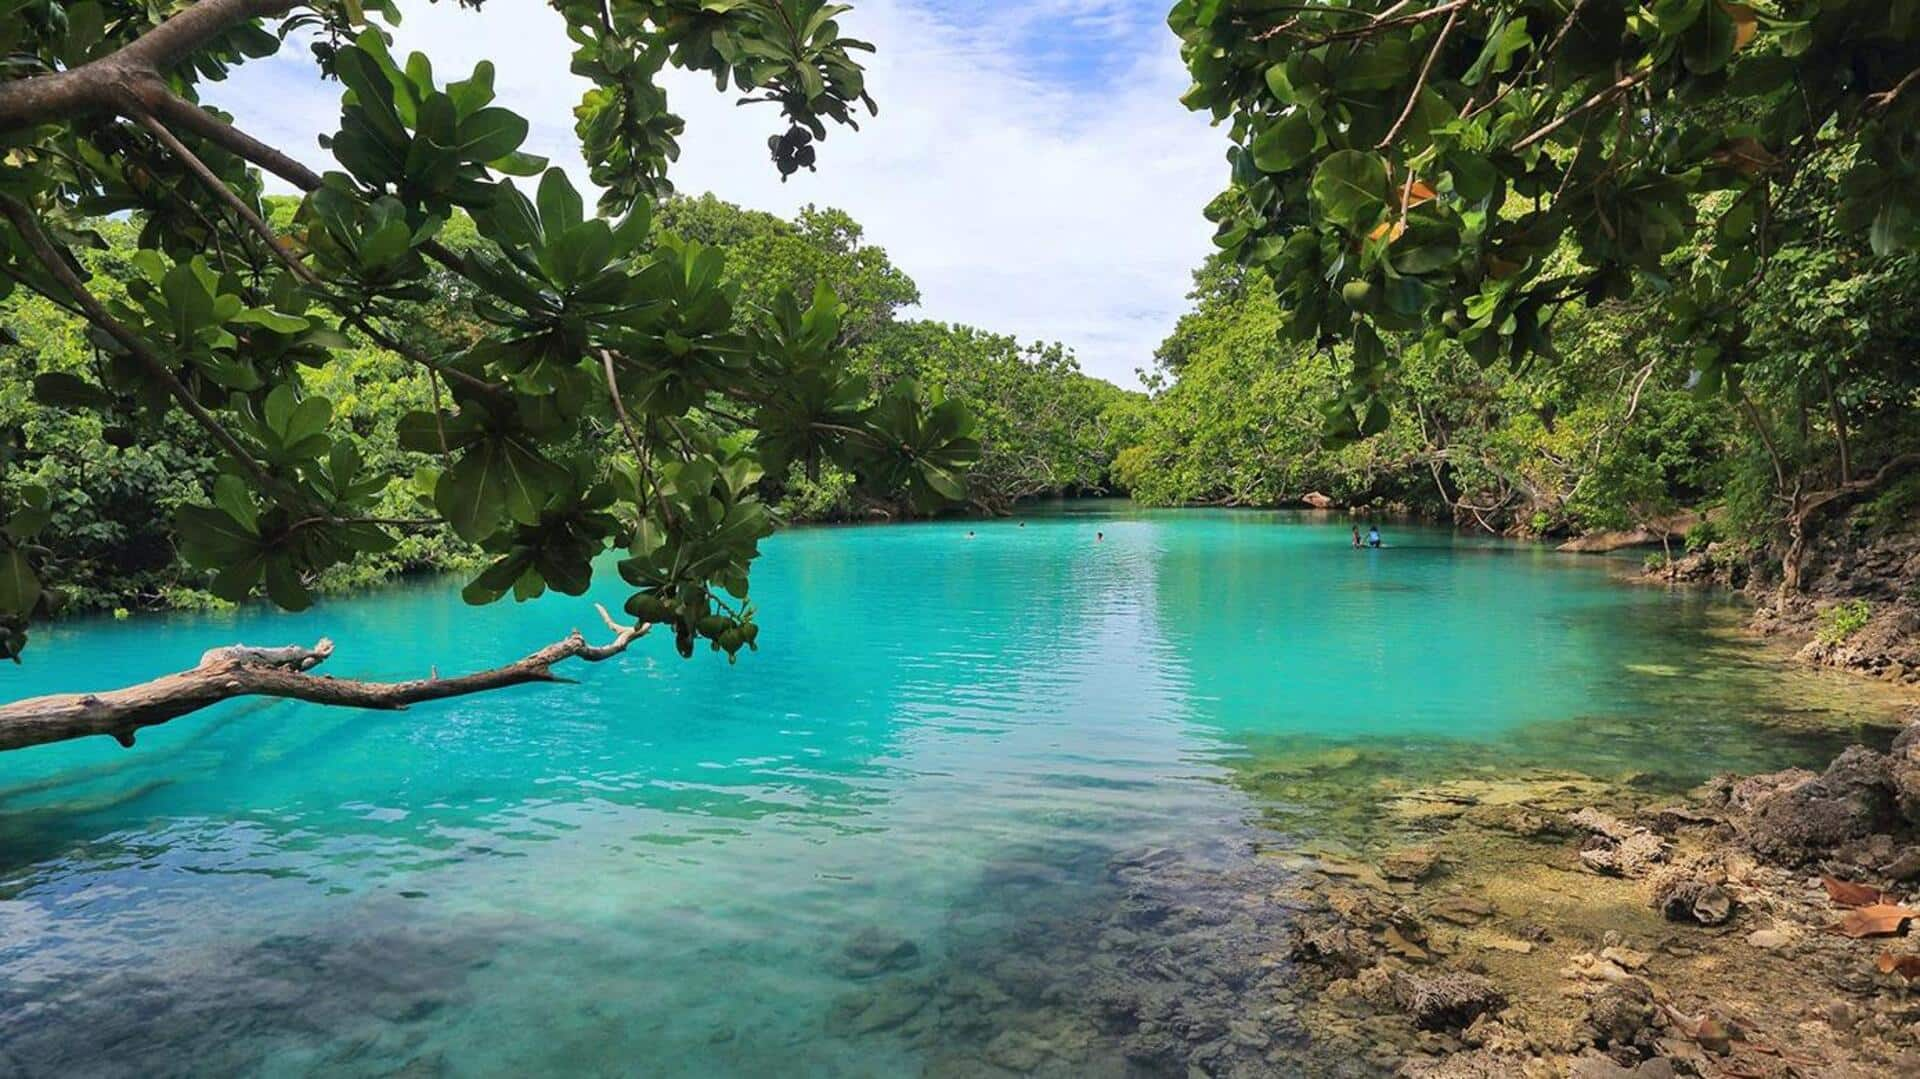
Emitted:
pixel 1875 580
pixel 1549 927
pixel 1540 924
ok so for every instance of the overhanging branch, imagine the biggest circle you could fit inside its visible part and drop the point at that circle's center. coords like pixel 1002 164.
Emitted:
pixel 104 84
pixel 242 671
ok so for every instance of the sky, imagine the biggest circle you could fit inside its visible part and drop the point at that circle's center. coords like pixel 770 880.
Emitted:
pixel 1031 168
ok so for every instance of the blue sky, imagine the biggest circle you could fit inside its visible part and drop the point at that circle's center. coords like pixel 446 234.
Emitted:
pixel 1031 166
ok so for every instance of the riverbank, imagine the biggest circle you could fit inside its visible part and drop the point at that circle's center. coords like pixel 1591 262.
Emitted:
pixel 1539 923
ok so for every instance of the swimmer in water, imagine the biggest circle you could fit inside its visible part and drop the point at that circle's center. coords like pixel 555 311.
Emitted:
pixel 1099 537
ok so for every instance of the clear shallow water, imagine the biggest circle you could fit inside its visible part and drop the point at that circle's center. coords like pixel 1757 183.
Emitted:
pixel 660 870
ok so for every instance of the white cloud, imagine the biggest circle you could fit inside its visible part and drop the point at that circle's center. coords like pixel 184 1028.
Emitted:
pixel 1031 166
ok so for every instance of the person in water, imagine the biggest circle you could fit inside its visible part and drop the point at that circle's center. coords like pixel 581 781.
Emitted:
pixel 1099 537
pixel 1356 537
pixel 1373 535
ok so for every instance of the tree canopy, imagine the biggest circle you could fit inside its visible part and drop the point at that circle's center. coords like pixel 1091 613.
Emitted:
pixel 592 324
pixel 1411 174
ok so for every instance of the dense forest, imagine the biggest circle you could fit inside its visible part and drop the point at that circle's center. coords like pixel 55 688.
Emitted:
pixel 1616 434
pixel 1044 427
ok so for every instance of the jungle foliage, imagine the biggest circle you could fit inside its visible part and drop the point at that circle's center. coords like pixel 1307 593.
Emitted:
pixel 1498 232
pixel 589 326
pixel 1043 427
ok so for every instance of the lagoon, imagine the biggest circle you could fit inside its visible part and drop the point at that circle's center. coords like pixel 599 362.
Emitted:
pixel 691 868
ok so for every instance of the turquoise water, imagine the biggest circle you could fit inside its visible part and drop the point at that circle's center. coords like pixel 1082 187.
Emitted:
pixel 662 870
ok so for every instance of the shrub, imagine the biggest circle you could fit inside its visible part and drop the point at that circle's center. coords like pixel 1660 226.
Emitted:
pixel 1843 620
pixel 1702 535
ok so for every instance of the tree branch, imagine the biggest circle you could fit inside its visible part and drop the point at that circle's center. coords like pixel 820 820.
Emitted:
pixel 242 671
pixel 1420 83
pixel 1624 83
pixel 233 201
pixel 104 84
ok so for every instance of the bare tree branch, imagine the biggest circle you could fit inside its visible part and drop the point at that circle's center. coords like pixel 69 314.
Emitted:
pixel 162 103
pixel 243 671
pixel 1420 83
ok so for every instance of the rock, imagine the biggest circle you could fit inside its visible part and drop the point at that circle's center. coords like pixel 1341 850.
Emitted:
pixel 1625 958
pixel 1343 950
pixel 1904 867
pixel 1769 939
pixel 1411 864
pixel 1516 820
pixel 1599 1067
pixel 1016 1051
pixel 1247 1034
pixel 1446 1001
pixel 1317 500
pixel 1603 824
pixel 1903 768
pixel 1673 818
pixel 1615 848
pixel 1692 899
pixel 1795 820
pixel 1398 944
pixel 1621 1012
pixel 1461 909
pixel 875 951
pixel 889 1008
pixel 1648 535
pixel 1633 856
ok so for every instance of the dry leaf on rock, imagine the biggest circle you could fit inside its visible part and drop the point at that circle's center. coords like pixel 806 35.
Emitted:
pixel 1907 966
pixel 1848 894
pixel 1878 920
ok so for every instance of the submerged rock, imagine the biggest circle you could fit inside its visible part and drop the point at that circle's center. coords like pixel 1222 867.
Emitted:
pixel 1615 848
pixel 1449 1000
pixel 874 951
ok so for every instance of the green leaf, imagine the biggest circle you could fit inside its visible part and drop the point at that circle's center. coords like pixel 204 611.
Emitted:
pixel 560 205
pixel 62 390
pixel 284 586
pixel 1350 187
pixel 491 133
pixel 1709 41
pixel 211 538
pixel 1285 143
pixel 230 494
pixel 272 320
pixel 19 584
pixel 471 494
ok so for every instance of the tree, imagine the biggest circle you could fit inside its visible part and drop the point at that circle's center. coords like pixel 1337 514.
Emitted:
pixel 1412 174
pixel 1414 168
pixel 1044 427
pixel 584 329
